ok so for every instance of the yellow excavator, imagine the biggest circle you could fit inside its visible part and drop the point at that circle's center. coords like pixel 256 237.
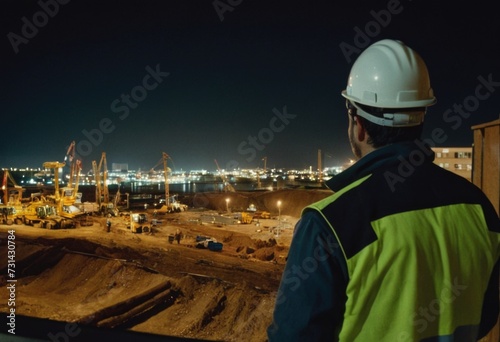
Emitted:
pixel 11 206
pixel 49 211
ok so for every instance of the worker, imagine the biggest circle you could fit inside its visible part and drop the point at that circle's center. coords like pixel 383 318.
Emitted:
pixel 108 223
pixel 178 236
pixel 403 250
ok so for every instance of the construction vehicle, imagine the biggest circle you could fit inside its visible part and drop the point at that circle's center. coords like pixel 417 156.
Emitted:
pixel 45 216
pixel 8 215
pixel 139 223
pixel 69 194
pixel 12 192
pixel 261 214
pixel 106 207
pixel 173 206
pixel 56 210
pixel 170 205
pixel 64 199
pixel 246 217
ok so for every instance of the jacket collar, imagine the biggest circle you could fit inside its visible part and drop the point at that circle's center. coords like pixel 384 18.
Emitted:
pixel 382 157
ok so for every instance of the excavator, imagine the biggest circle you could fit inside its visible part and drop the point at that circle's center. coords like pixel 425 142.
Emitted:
pixel 50 211
pixel 59 209
pixel 11 205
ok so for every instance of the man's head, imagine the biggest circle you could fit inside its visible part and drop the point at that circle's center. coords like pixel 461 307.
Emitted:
pixel 387 94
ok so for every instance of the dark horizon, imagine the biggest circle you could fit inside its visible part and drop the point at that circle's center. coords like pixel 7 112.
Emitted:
pixel 234 83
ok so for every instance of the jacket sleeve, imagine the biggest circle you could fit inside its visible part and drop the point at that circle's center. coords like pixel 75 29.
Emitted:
pixel 311 296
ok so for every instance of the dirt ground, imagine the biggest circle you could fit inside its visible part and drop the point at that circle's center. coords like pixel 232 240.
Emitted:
pixel 146 283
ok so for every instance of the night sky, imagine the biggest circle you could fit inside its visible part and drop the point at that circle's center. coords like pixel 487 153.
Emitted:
pixel 231 80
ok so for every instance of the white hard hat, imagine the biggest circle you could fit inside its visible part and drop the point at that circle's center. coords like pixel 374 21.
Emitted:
pixel 389 74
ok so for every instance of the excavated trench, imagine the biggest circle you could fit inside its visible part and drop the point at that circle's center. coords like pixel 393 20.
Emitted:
pixel 79 281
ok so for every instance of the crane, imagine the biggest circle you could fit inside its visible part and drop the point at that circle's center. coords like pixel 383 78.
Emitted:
pixel 101 186
pixel 11 194
pixel 171 204
pixel 163 161
pixel 69 193
pixel 56 166
pixel 258 173
pixel 227 186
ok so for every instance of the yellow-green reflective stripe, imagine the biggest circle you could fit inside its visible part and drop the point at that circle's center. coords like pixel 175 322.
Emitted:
pixel 422 275
pixel 326 201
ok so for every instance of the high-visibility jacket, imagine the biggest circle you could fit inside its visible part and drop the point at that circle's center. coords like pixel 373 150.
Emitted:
pixel 420 248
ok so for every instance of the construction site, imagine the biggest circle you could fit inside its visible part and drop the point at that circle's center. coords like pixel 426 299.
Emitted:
pixel 206 272
pixel 93 271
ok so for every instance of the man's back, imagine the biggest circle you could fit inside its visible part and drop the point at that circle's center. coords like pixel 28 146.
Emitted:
pixel 416 253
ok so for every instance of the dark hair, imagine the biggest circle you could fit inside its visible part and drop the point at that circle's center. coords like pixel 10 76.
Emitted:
pixel 384 135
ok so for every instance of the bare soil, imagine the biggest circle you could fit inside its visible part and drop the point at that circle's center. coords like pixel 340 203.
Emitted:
pixel 146 283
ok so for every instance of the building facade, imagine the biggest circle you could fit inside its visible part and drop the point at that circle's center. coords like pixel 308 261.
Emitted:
pixel 455 159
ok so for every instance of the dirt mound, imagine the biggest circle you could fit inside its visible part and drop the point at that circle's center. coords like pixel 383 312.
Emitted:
pixel 102 291
pixel 293 200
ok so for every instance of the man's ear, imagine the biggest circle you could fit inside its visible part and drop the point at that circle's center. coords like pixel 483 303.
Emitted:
pixel 361 132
